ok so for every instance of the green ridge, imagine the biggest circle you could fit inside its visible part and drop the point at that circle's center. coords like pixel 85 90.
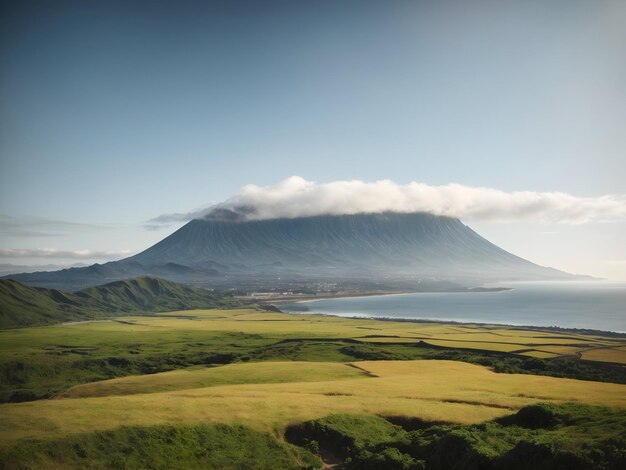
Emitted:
pixel 22 306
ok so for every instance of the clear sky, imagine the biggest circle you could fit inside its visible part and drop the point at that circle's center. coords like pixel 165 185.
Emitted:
pixel 113 113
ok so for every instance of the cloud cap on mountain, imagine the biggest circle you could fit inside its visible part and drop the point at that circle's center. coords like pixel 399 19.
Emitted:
pixel 297 197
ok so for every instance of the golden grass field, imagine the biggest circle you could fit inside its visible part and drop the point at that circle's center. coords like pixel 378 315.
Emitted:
pixel 607 355
pixel 272 395
pixel 535 343
pixel 231 374
pixel 248 321
pixel 431 390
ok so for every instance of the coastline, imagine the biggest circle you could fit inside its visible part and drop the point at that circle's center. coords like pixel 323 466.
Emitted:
pixel 567 316
pixel 354 294
pixel 585 331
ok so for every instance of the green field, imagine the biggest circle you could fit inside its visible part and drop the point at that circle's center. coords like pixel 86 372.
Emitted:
pixel 41 362
pixel 260 375
pixel 231 374
pixel 278 395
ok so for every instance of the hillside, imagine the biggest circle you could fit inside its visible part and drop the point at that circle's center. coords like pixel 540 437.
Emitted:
pixel 27 306
pixel 390 248
pixel 149 294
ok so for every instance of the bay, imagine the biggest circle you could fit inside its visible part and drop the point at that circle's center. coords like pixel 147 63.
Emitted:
pixel 593 305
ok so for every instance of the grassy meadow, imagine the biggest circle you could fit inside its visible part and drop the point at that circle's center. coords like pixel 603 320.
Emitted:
pixel 435 391
pixel 41 362
pixel 258 374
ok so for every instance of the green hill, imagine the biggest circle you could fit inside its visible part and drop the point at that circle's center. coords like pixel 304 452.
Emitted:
pixel 22 306
pixel 149 294
pixel 25 306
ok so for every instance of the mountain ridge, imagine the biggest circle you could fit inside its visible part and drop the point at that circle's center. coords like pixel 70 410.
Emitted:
pixel 383 247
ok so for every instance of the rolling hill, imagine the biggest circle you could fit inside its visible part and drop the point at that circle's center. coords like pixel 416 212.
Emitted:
pixel 21 305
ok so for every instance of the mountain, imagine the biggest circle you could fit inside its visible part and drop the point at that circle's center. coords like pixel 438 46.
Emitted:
pixel 387 247
pixel 26 306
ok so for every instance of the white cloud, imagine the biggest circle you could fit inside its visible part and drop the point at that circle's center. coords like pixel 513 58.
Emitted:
pixel 165 220
pixel 62 254
pixel 297 197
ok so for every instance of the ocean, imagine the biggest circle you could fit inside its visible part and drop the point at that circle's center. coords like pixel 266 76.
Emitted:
pixel 596 305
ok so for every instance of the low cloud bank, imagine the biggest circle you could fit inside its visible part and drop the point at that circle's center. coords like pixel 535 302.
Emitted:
pixel 297 197
pixel 40 227
pixel 60 254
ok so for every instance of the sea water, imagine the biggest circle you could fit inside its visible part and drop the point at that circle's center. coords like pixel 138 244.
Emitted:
pixel 593 305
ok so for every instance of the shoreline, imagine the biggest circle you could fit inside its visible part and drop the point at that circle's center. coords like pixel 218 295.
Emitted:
pixel 353 294
pixel 585 331
pixel 566 316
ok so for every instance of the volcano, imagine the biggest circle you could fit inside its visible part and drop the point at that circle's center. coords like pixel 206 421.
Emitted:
pixel 384 247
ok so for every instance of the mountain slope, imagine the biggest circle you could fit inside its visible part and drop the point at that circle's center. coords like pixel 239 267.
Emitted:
pixel 364 245
pixel 148 294
pixel 27 306
pixel 386 247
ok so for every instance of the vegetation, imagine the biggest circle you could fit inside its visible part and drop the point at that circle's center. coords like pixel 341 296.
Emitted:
pixel 433 391
pixel 233 374
pixel 341 435
pixel 22 306
pixel 161 447
pixel 541 436
pixel 160 382
pixel 567 367
pixel 149 294
pixel 42 362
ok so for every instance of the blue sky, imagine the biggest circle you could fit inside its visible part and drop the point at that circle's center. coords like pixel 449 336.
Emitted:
pixel 113 113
